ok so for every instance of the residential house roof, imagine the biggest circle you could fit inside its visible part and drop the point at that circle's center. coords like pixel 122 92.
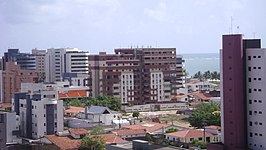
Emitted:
pixel 125 132
pixel 64 143
pixel 203 96
pixel 98 110
pixel 73 94
pixel 74 110
pixel 111 138
pixel 190 134
pixel 213 127
pixel 78 131
pixel 148 126
pixel 5 105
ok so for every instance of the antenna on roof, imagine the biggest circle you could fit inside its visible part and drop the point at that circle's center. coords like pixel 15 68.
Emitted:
pixel 237 29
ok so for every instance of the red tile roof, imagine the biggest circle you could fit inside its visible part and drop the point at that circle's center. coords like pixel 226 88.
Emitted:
pixel 148 126
pixel 78 131
pixel 190 134
pixel 73 94
pixel 213 127
pixel 111 138
pixel 64 143
pixel 74 110
pixel 202 96
pixel 129 132
pixel 5 105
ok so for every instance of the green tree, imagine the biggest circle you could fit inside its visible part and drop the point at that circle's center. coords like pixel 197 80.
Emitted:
pixel 94 143
pixel 74 102
pixel 171 130
pixel 198 75
pixel 205 113
pixel 135 114
pixel 97 130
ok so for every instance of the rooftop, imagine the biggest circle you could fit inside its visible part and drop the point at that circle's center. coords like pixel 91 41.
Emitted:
pixel 148 126
pixel 111 138
pixel 203 96
pixel 99 110
pixel 74 110
pixel 129 132
pixel 213 127
pixel 64 143
pixel 190 134
pixel 78 131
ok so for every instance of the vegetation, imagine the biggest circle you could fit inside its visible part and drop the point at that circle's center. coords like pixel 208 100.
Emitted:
pixel 108 101
pixel 205 114
pixel 135 114
pixel 97 130
pixel 171 130
pixel 8 109
pixel 93 143
pixel 207 75
pixel 200 144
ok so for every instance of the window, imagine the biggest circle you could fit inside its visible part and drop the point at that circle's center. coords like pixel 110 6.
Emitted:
pixel 249 79
pixel 260 134
pixel 254 67
pixel 250 112
pixel 260 101
pixel 249 68
pixel 256 134
pixel 254 56
pixel 250 134
pixel 259 90
pixel 249 90
pixel 249 57
pixel 250 123
pixel 255 79
pixel 259 67
pixel 250 101
pixel 259 56
pixel 259 78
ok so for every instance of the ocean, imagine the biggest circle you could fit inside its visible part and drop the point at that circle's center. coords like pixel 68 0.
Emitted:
pixel 201 62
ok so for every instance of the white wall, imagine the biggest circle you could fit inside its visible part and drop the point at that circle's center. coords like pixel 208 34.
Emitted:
pixel 256 93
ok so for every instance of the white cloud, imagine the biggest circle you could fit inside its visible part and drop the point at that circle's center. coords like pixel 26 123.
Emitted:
pixel 158 13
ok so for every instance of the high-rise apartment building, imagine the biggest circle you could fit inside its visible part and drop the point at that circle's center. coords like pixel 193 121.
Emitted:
pixel 40 63
pixel 136 75
pixel 11 79
pixel 65 60
pixel 243 115
pixel 25 60
pixel 41 113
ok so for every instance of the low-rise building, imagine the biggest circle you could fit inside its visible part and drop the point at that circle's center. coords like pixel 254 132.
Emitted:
pixel 153 128
pixel 78 133
pixel 130 133
pixel 187 136
pixel 72 111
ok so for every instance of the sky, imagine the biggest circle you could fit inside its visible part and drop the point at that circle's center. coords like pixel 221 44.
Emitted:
pixel 191 26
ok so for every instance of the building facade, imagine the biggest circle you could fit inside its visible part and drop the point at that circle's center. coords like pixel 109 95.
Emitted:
pixel 11 80
pixel 25 60
pixel 64 60
pixel 136 75
pixel 40 113
pixel 40 63
pixel 242 94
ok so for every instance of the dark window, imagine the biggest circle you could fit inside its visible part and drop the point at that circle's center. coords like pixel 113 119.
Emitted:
pixel 255 89
pixel 249 68
pixel 249 90
pixel 256 134
pixel 259 78
pixel 255 101
pixel 259 56
pixel 250 112
pixel 254 56
pixel 250 134
pixel 249 57
pixel 250 101
pixel 259 101
pixel 250 123
pixel 259 67
pixel 249 79
pixel 254 67
pixel 259 90
pixel 260 112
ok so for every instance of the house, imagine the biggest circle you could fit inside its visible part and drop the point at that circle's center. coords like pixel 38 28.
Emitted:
pixel 216 130
pixel 200 86
pixel 187 136
pixel 71 143
pixel 72 111
pixel 182 98
pixel 78 133
pixel 62 142
pixel 130 133
pixel 99 114
pixel 153 128
pixel 201 97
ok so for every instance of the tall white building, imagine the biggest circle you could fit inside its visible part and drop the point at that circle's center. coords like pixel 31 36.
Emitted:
pixel 65 60
pixel 256 104
pixel 40 113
